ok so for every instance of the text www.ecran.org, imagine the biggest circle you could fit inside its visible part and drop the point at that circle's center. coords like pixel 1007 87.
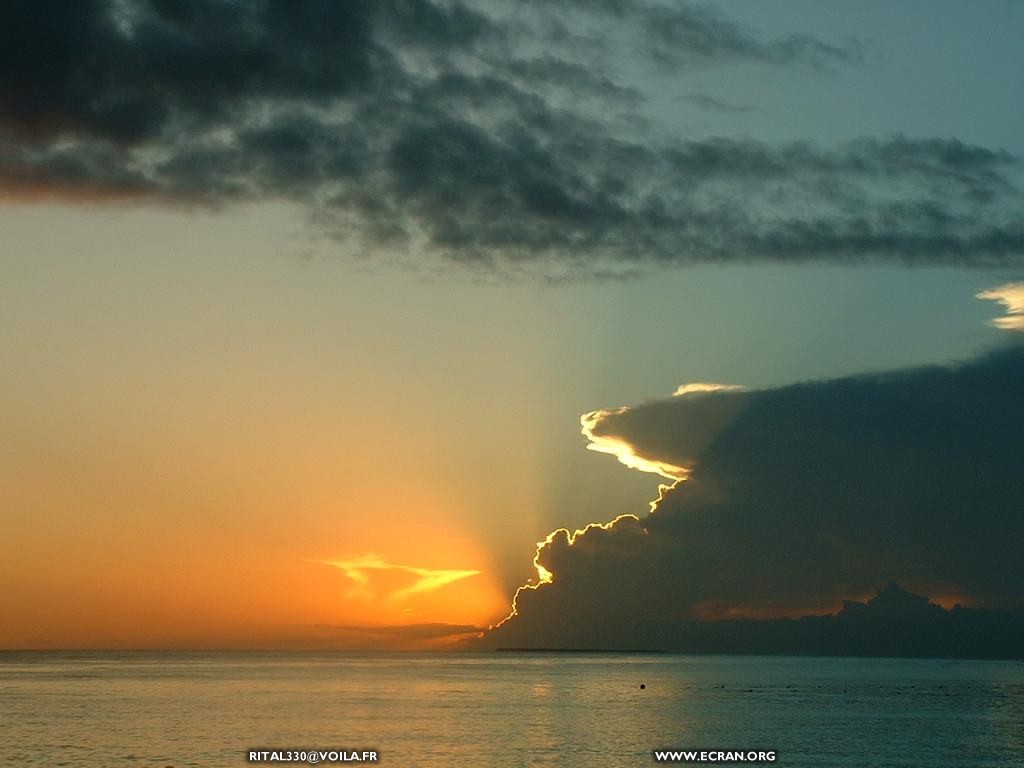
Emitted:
pixel 713 756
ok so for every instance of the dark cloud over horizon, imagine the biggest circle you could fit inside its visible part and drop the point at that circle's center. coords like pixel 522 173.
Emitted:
pixel 798 498
pixel 495 136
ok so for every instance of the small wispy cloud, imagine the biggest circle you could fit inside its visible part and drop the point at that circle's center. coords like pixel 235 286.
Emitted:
pixel 360 567
pixel 704 386
pixel 1011 296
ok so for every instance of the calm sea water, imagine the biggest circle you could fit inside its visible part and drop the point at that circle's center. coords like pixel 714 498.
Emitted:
pixel 209 709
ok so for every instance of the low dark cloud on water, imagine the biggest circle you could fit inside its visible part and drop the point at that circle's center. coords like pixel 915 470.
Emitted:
pixel 796 499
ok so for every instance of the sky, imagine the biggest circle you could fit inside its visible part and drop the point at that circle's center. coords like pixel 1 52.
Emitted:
pixel 302 303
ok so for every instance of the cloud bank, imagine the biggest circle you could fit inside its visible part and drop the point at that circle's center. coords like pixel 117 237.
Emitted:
pixel 796 499
pixel 432 635
pixel 500 137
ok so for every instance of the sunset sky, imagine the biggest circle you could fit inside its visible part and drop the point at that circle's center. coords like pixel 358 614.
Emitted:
pixel 301 305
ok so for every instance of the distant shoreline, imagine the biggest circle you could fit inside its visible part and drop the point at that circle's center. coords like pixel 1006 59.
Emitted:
pixel 576 650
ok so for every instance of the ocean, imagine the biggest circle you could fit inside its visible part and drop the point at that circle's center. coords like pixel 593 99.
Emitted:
pixel 114 709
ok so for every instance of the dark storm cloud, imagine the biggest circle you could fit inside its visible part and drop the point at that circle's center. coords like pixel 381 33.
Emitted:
pixel 131 71
pixel 568 77
pixel 797 498
pixel 681 35
pixel 705 101
pixel 443 130
pixel 91 171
